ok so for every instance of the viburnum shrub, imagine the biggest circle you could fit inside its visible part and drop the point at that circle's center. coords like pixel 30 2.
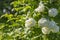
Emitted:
pixel 30 20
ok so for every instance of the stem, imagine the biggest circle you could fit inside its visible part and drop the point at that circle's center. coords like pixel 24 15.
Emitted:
pixel 45 37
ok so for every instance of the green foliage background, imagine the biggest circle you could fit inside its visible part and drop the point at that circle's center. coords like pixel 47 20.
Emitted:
pixel 12 23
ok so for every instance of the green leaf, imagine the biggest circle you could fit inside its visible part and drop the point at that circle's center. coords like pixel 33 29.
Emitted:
pixel 2 25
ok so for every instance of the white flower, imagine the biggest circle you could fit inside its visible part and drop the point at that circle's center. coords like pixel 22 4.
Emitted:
pixel 52 24
pixel 30 22
pixel 4 10
pixel 43 22
pixel 45 30
pixel 56 29
pixel 40 8
pixel 53 12
pixel 53 27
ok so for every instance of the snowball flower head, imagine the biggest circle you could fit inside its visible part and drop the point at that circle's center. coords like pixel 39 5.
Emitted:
pixel 45 30
pixel 55 29
pixel 53 26
pixel 30 22
pixel 53 12
pixel 43 22
pixel 40 8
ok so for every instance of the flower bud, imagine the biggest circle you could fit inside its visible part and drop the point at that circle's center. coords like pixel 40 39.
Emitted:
pixel 40 8
pixel 45 30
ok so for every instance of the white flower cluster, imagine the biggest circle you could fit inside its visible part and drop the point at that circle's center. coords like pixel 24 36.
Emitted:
pixel 48 26
pixel 53 26
pixel 30 22
pixel 53 12
pixel 40 8
pixel 43 22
